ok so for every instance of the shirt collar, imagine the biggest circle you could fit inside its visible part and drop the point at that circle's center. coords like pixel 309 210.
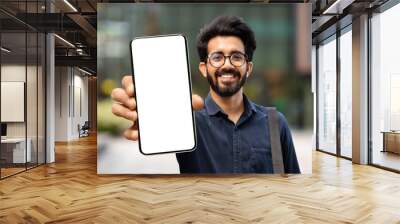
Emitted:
pixel 212 108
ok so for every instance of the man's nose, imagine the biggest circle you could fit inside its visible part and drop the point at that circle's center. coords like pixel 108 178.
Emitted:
pixel 227 63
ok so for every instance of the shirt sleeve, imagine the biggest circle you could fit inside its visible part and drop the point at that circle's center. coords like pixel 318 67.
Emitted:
pixel 288 151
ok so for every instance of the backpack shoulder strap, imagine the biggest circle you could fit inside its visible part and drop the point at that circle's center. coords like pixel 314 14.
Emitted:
pixel 276 148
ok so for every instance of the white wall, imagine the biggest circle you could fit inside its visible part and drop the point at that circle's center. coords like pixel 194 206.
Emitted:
pixel 80 89
pixel 61 103
pixel 70 83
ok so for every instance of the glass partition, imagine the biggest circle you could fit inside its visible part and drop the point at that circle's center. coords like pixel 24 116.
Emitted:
pixel 327 95
pixel 346 92
pixel 13 95
pixel 31 98
pixel 41 96
pixel 23 89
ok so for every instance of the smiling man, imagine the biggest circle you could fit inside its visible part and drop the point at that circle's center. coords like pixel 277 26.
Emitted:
pixel 233 134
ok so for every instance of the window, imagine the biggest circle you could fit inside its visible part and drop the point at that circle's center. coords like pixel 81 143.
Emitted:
pixel 346 92
pixel 385 88
pixel 327 95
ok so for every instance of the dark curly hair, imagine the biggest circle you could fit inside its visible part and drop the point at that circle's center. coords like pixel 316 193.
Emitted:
pixel 226 26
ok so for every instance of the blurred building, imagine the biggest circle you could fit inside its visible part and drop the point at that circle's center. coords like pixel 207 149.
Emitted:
pixel 282 66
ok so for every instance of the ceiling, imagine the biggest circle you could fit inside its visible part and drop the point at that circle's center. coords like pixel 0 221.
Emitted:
pixel 328 16
pixel 76 22
pixel 76 25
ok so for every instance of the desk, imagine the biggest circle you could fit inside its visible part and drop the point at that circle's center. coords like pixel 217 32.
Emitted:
pixel 391 141
pixel 16 147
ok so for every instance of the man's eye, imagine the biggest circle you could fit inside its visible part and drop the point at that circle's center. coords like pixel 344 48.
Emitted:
pixel 217 57
pixel 237 57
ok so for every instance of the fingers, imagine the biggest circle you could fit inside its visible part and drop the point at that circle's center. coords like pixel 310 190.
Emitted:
pixel 119 95
pixel 132 133
pixel 127 84
pixel 124 106
pixel 122 111
pixel 197 102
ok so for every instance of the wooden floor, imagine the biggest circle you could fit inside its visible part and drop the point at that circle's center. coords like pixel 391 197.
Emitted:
pixel 10 171
pixel 70 191
pixel 388 159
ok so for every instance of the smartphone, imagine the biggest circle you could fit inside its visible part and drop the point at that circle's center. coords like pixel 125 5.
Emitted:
pixel 161 76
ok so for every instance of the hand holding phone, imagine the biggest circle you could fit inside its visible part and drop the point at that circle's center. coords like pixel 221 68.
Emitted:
pixel 124 105
pixel 163 91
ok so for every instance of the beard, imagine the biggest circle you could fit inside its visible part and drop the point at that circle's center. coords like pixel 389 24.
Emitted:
pixel 226 90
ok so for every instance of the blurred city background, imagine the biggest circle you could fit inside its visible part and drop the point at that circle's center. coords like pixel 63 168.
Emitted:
pixel 282 61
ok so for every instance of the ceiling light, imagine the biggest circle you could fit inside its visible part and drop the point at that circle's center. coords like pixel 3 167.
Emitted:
pixel 337 7
pixel 65 41
pixel 70 5
pixel 5 50
pixel 84 71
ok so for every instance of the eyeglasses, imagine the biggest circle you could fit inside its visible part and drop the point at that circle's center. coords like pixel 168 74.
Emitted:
pixel 217 59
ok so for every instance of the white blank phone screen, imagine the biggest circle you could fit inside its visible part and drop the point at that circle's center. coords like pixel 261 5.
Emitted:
pixel 162 85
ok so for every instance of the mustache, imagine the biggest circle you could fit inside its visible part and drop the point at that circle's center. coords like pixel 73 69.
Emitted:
pixel 221 72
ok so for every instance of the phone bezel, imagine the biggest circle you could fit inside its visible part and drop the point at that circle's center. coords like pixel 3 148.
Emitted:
pixel 190 92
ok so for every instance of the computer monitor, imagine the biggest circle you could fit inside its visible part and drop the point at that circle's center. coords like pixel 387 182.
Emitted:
pixel 3 129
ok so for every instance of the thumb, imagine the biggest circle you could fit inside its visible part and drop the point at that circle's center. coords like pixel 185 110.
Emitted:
pixel 197 102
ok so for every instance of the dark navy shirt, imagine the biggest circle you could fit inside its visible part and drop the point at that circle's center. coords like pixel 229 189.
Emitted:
pixel 244 147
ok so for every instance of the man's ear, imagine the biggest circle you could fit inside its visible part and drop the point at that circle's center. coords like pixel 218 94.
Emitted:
pixel 203 69
pixel 249 68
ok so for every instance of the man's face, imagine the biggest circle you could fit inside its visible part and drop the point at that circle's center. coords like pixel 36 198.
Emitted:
pixel 227 79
